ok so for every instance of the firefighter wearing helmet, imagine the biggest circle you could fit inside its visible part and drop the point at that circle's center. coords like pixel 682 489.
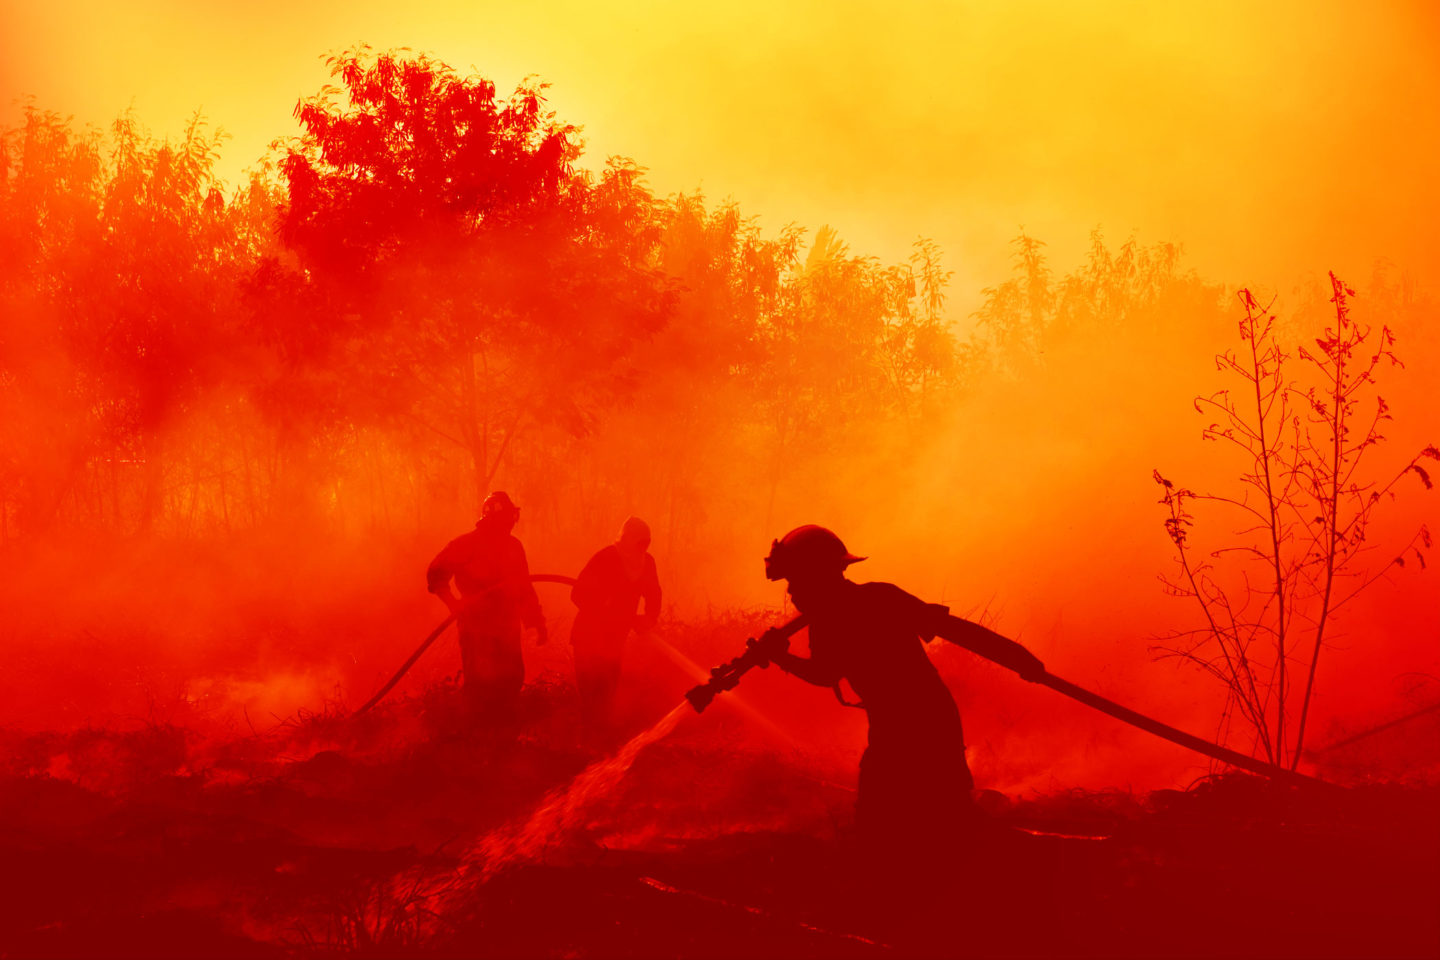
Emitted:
pixel 915 786
pixel 607 596
pixel 496 598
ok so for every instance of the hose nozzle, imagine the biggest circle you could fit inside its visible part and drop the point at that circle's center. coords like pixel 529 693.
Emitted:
pixel 701 696
pixel 757 654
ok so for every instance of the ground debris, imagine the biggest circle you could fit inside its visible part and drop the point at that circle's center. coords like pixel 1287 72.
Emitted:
pixel 325 838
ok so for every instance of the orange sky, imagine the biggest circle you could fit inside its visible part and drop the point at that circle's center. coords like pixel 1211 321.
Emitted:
pixel 1292 140
pixel 1298 137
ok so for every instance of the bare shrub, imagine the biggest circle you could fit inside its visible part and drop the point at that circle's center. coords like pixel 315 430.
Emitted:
pixel 1306 499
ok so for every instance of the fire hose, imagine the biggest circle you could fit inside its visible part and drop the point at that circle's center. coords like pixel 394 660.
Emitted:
pixel 435 635
pixel 758 653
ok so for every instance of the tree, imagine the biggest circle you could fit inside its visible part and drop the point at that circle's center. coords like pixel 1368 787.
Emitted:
pixel 445 244
pixel 120 291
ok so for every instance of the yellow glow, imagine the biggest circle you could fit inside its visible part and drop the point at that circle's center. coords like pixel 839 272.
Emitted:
pixel 1270 138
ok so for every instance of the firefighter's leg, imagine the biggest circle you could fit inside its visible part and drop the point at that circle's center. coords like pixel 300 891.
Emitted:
pixel 914 799
pixel 875 800
pixel 595 677
pixel 509 679
pixel 607 680
pixel 472 667
pixel 494 674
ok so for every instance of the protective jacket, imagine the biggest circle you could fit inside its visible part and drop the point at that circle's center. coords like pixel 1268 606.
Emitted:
pixel 914 765
pixel 607 597
pixel 491 572
pixel 493 577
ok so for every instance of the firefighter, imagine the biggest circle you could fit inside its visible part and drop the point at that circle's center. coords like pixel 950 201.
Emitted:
pixel 488 567
pixel 607 594
pixel 915 786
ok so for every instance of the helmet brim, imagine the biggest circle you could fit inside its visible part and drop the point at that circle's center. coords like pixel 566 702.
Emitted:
pixel 775 570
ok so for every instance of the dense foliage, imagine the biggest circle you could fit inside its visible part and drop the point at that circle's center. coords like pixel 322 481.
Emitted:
pixel 421 297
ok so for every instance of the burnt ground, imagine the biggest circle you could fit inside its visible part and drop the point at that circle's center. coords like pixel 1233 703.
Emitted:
pixel 325 835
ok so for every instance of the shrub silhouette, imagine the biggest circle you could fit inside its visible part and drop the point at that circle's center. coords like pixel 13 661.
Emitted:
pixel 1307 506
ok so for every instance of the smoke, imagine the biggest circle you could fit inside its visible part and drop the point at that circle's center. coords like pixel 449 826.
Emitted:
pixel 1275 141
pixel 221 532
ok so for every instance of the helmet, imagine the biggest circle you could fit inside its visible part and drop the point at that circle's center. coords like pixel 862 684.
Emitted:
pixel 635 533
pixel 807 549
pixel 498 507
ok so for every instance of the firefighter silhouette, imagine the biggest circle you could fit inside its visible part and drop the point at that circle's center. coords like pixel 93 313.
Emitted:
pixel 915 785
pixel 489 569
pixel 607 594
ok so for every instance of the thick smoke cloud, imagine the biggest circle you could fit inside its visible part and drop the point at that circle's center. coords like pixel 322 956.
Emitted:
pixel 239 426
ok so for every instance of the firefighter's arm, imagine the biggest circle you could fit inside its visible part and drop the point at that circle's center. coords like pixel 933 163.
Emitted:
pixel 651 594
pixel 806 669
pixel 991 646
pixel 811 669
pixel 437 578
pixel 530 612
pixel 585 591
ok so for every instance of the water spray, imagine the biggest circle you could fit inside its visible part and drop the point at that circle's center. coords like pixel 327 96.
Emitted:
pixel 564 808
pixel 758 653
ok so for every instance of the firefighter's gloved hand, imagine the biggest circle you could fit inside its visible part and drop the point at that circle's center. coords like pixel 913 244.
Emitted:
pixel 1029 666
pixel 772 643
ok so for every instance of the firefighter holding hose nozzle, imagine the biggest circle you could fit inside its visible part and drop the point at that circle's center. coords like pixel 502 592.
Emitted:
pixel 915 786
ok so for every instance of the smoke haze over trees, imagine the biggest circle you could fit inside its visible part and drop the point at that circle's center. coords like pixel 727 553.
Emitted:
pixel 284 394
